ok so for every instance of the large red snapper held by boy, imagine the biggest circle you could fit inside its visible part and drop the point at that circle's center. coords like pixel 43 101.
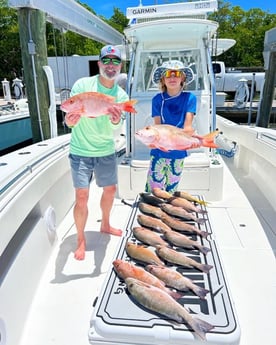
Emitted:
pixel 167 137
pixel 94 104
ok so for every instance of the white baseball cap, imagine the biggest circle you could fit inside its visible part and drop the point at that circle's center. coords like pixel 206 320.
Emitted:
pixel 110 50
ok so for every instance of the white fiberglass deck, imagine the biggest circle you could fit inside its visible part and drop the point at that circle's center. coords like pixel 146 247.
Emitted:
pixel 63 305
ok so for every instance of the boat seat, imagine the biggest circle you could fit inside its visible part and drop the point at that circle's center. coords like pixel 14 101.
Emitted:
pixel 138 163
pixel 197 160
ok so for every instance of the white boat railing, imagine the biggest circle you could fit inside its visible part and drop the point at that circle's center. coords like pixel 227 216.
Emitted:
pixel 267 138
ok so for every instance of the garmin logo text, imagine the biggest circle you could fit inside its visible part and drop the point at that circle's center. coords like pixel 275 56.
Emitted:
pixel 144 10
pixel 202 5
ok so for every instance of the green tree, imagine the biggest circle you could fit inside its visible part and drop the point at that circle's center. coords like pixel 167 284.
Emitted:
pixel 118 21
pixel 248 29
pixel 69 43
pixel 10 52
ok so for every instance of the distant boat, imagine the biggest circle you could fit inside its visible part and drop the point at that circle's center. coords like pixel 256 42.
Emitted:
pixel 15 125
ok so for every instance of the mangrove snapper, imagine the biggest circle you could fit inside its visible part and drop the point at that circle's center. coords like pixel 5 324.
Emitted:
pixel 148 236
pixel 160 302
pixel 142 253
pixel 181 213
pixel 168 137
pixel 150 209
pixel 181 240
pixel 186 204
pixel 151 199
pixel 153 223
pixel 180 225
pixel 181 259
pixel 161 193
pixel 176 280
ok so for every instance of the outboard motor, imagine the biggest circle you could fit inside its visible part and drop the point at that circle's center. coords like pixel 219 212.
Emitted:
pixel 18 88
pixel 242 94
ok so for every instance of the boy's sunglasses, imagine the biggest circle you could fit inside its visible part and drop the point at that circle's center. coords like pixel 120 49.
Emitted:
pixel 107 60
pixel 170 73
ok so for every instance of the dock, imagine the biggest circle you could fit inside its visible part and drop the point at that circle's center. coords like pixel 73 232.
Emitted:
pixel 247 114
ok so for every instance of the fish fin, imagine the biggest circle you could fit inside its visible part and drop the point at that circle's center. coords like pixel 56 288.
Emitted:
pixel 163 149
pixel 201 327
pixel 176 295
pixel 96 94
pixel 128 106
pixel 208 139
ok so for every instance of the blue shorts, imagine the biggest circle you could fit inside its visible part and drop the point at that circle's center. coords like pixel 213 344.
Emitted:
pixel 83 168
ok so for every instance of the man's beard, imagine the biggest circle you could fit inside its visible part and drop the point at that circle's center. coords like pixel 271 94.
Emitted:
pixel 111 75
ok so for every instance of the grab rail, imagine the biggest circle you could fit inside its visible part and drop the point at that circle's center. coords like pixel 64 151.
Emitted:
pixel 268 138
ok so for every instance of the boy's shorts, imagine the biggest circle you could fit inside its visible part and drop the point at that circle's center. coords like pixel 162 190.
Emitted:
pixel 83 169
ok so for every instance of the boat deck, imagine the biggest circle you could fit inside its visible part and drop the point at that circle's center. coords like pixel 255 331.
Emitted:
pixel 264 211
pixel 63 306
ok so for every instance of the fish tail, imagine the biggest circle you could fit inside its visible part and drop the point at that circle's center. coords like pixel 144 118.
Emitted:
pixel 201 211
pixel 208 139
pixel 190 198
pixel 202 202
pixel 204 250
pixel 200 220
pixel 128 106
pixel 201 327
pixel 204 234
pixel 200 292
pixel 205 268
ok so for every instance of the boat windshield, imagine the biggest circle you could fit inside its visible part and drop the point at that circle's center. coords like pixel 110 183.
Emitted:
pixel 150 60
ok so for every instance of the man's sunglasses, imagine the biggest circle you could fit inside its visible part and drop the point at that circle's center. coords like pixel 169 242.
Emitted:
pixel 107 61
pixel 171 73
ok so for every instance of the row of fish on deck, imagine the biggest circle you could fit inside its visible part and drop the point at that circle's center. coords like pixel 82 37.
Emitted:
pixel 165 222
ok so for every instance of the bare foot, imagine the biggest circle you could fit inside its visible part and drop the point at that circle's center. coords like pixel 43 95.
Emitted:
pixel 113 231
pixel 80 251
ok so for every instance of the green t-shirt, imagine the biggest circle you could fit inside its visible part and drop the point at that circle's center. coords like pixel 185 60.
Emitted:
pixel 93 137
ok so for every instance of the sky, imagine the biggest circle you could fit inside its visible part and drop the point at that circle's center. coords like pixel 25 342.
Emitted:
pixel 105 8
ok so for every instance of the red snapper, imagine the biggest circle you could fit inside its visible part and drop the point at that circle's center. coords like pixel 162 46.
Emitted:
pixel 167 138
pixel 94 104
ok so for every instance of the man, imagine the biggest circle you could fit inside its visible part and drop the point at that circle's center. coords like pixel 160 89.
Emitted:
pixel 92 147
